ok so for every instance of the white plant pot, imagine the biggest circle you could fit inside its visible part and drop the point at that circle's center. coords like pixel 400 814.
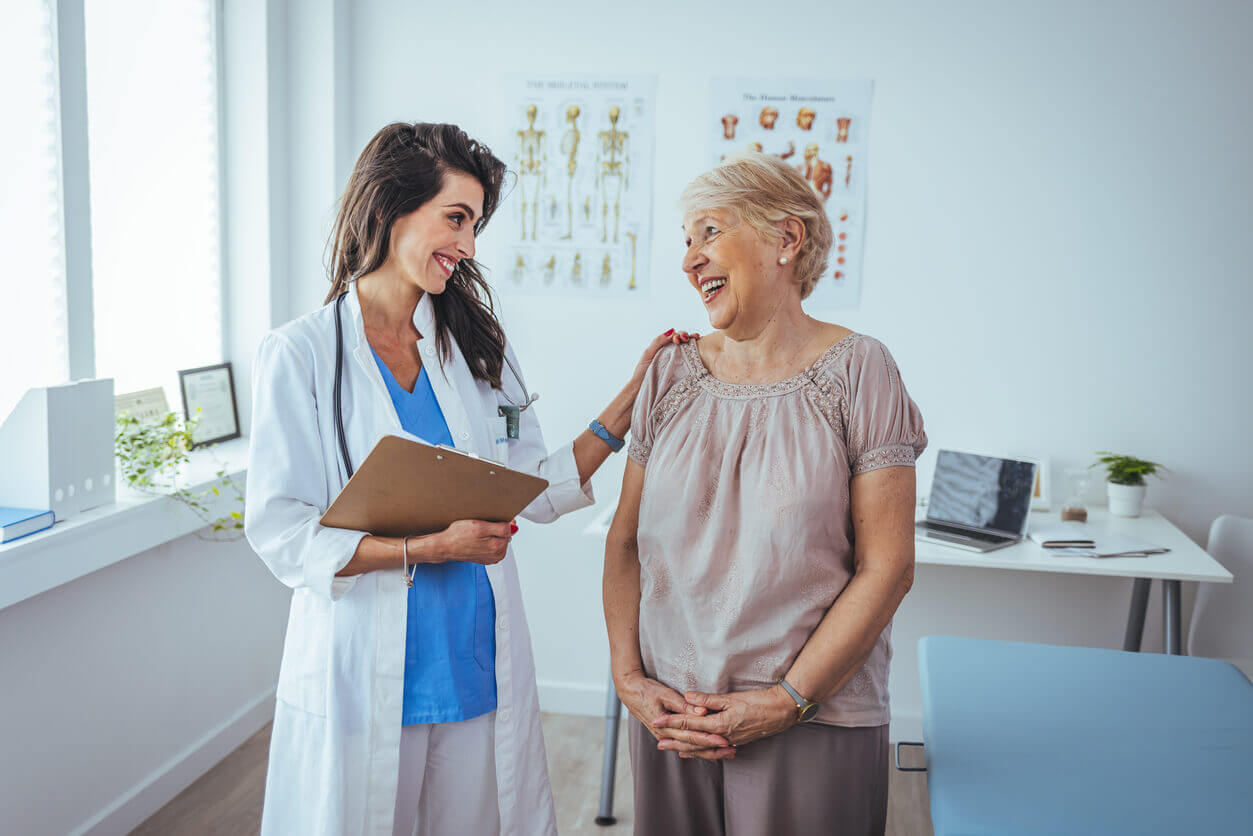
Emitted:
pixel 1125 500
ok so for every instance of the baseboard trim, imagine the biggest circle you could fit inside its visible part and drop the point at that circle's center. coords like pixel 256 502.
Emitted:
pixel 164 783
pixel 906 725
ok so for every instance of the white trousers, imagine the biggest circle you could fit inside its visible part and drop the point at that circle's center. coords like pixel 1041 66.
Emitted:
pixel 448 779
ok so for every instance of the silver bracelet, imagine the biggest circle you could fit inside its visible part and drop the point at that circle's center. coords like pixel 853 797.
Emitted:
pixel 408 575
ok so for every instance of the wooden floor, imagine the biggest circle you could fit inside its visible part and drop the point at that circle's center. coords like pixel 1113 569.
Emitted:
pixel 226 801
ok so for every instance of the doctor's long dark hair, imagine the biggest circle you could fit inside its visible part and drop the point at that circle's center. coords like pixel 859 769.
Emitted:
pixel 402 168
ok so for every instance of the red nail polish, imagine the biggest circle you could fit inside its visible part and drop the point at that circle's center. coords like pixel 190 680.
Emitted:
pixel 513 528
pixel 668 333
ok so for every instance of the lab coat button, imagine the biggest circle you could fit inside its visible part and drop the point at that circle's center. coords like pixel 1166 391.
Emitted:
pixel 465 436
pixel 504 716
pixel 502 623
pixel 429 351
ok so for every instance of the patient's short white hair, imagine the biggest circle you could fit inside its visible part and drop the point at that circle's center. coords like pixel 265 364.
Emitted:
pixel 762 190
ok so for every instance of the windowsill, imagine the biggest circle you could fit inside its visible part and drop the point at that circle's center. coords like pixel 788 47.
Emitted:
pixel 111 533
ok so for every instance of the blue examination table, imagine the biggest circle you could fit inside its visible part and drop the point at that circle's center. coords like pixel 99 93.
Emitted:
pixel 1033 739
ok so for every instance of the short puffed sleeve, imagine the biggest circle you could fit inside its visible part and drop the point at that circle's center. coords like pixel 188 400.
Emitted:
pixel 666 368
pixel 883 424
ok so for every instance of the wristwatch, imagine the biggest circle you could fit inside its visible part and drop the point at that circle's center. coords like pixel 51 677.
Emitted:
pixel 806 710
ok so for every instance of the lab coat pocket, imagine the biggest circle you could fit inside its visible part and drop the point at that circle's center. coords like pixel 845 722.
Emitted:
pixel 503 447
pixel 484 622
pixel 306 654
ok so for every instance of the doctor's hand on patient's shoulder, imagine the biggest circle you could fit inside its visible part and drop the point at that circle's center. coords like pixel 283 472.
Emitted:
pixel 617 416
pixel 671 337
pixel 470 541
pixel 647 700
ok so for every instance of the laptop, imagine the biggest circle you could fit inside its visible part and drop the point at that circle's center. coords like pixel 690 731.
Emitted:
pixel 978 503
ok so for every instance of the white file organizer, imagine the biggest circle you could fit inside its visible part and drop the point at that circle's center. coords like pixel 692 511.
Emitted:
pixel 56 449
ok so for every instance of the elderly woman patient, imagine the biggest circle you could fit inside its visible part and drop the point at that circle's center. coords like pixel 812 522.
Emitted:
pixel 764 537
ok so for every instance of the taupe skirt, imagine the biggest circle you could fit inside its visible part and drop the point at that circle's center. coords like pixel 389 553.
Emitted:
pixel 811 779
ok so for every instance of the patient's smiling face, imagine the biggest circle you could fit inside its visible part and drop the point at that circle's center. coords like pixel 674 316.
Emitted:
pixel 731 266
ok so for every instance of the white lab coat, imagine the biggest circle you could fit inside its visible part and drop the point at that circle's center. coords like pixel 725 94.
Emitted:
pixel 334 752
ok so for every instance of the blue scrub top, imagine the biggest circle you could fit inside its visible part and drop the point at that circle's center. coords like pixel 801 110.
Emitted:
pixel 450 642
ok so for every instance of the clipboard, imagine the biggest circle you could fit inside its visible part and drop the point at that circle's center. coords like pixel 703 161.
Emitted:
pixel 405 487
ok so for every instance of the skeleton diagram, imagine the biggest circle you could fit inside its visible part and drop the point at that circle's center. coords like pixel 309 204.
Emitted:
pixel 631 284
pixel 570 148
pixel 613 161
pixel 817 172
pixel 531 163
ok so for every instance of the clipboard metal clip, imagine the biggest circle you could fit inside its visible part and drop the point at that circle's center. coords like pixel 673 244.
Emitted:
pixel 455 450
pixel 469 455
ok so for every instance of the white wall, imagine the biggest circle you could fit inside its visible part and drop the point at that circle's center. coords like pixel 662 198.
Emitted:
pixel 123 686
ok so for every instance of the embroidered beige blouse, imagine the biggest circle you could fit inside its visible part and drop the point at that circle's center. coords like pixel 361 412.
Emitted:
pixel 745 533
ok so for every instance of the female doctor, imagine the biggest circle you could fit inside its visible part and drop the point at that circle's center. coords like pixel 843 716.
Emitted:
pixel 406 696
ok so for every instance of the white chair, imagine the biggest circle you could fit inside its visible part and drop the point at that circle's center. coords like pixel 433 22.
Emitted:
pixel 1222 620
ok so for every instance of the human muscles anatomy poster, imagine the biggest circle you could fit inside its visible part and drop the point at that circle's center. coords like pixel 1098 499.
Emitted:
pixel 821 128
pixel 577 221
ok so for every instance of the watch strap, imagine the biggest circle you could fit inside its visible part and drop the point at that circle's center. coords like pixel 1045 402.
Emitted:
pixel 806 709
pixel 598 429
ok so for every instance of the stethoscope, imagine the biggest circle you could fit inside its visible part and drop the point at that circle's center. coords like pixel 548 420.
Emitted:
pixel 511 413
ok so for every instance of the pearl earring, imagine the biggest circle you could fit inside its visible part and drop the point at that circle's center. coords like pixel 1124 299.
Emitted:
pixel 783 260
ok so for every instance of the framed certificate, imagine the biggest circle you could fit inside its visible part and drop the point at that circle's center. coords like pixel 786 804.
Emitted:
pixel 209 395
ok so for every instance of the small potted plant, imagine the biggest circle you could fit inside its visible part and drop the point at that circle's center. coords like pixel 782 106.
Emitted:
pixel 151 454
pixel 1124 482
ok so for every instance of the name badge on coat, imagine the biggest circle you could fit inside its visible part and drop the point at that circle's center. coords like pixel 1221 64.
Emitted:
pixel 512 418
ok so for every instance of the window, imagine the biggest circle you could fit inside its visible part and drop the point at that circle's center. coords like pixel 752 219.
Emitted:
pixel 154 281
pixel 152 107
pixel 33 338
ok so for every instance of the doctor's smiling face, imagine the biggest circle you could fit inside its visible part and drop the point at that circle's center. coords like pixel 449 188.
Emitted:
pixel 419 194
pixel 427 244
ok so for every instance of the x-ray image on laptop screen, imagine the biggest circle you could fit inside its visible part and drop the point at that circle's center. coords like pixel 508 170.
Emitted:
pixel 981 492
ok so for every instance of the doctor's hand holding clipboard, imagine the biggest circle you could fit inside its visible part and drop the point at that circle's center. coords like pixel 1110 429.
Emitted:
pixel 406 699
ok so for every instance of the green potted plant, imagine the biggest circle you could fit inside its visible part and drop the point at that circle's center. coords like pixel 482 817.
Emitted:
pixel 150 455
pixel 1124 481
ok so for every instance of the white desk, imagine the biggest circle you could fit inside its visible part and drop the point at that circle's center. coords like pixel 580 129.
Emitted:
pixel 1186 561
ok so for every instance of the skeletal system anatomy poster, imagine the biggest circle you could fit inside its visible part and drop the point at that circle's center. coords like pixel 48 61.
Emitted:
pixel 578 219
pixel 820 127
